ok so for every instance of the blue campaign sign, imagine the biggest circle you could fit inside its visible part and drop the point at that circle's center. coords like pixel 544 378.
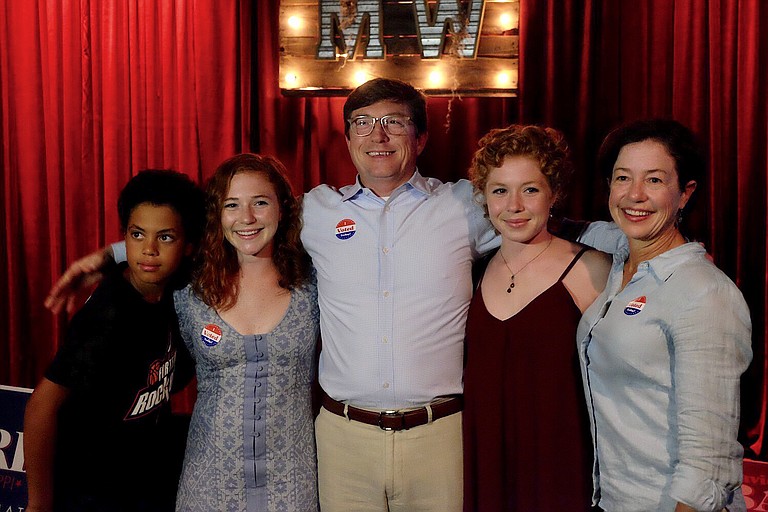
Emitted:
pixel 13 479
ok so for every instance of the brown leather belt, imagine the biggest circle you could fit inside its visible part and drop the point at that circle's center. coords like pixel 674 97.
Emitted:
pixel 396 420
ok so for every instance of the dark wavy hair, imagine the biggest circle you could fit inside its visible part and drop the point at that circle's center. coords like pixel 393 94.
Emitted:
pixel 680 141
pixel 545 145
pixel 216 280
pixel 388 89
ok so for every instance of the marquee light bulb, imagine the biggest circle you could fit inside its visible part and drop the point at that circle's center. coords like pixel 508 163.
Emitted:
pixel 360 77
pixel 294 22
pixel 506 21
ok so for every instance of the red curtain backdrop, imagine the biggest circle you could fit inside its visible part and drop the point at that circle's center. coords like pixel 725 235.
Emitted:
pixel 587 65
pixel 93 91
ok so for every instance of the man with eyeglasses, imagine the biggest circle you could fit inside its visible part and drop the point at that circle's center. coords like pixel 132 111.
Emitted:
pixel 393 254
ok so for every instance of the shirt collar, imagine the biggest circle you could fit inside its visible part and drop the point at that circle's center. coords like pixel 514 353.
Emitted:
pixel 665 264
pixel 417 182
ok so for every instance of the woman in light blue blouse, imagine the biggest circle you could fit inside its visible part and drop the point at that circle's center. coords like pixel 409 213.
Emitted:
pixel 664 347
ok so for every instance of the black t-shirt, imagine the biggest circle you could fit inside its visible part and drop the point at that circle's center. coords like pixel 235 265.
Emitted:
pixel 113 450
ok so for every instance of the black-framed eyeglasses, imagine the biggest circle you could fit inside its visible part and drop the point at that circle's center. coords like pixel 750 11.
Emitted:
pixel 393 124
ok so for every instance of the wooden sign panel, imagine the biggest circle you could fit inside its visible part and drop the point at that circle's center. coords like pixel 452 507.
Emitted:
pixel 443 47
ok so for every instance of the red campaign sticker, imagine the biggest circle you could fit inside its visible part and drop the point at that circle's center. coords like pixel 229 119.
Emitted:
pixel 635 306
pixel 345 229
pixel 211 335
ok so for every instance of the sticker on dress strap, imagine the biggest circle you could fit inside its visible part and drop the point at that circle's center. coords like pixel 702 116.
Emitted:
pixel 635 306
pixel 211 335
pixel 345 229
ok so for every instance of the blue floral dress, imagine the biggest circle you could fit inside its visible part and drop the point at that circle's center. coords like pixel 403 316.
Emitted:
pixel 251 439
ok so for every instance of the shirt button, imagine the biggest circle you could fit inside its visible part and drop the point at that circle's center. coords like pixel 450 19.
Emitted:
pixel 258 434
pixel 385 250
pixel 386 293
pixel 258 384
pixel 385 340
pixel 385 385
pixel 258 338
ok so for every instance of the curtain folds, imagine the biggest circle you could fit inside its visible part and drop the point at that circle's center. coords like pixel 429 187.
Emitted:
pixel 91 92
pixel 592 64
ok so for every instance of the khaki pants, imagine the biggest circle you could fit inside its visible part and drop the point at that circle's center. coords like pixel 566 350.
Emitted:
pixel 362 468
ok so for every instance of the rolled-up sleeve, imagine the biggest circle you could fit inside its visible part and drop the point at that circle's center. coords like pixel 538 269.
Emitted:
pixel 711 340
pixel 483 238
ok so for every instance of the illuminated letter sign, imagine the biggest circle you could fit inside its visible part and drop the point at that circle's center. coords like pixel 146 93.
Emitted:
pixel 443 47
pixel 352 27
pixel 447 14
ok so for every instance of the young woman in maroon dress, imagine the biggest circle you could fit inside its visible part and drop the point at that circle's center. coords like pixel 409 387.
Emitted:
pixel 526 434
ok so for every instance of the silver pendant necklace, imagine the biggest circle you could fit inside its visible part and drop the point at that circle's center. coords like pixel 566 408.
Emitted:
pixel 512 277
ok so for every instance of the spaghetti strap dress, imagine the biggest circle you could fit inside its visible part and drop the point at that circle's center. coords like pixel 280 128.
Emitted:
pixel 527 445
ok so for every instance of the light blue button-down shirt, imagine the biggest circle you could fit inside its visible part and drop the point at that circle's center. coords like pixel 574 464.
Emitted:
pixel 661 361
pixel 394 284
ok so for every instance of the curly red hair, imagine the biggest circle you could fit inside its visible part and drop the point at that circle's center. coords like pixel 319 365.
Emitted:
pixel 545 145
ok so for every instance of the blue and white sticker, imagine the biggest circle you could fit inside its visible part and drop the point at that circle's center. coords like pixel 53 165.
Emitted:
pixel 345 229
pixel 211 335
pixel 635 306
